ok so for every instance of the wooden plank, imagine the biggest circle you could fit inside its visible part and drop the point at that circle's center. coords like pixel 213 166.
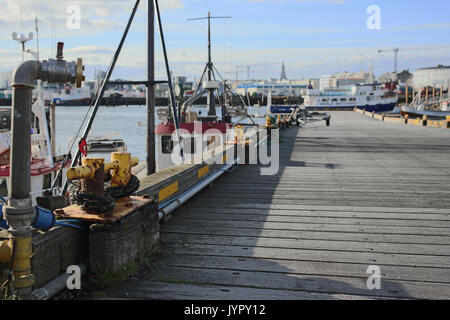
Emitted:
pixel 444 232
pixel 342 255
pixel 264 217
pixel 294 282
pixel 312 268
pixel 316 234
pixel 144 289
pixel 122 209
pixel 327 214
pixel 309 244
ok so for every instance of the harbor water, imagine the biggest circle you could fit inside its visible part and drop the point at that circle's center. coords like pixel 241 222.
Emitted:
pixel 123 122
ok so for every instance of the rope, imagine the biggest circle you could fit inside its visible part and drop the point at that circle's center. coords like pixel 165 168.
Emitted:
pixel 91 202
pixel 124 191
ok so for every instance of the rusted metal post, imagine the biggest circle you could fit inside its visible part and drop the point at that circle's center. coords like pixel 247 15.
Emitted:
pixel 151 153
pixel 95 183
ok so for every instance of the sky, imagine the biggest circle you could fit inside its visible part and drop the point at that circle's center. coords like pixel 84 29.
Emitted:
pixel 312 37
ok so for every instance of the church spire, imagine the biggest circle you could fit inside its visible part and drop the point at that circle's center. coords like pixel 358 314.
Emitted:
pixel 283 73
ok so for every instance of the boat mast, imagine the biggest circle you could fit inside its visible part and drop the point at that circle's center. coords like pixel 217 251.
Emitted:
pixel 211 102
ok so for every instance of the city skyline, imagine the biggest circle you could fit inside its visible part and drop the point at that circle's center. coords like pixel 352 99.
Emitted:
pixel 313 38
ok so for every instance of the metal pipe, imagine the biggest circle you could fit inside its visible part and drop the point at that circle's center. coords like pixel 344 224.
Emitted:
pixel 53 287
pixel 19 211
pixel 179 201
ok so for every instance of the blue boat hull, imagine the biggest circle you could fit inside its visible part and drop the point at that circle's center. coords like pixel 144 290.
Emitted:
pixel 283 108
pixel 377 108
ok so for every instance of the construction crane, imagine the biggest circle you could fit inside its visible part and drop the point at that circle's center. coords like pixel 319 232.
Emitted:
pixel 395 50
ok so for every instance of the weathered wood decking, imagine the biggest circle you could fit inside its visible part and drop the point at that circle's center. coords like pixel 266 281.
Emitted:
pixel 360 192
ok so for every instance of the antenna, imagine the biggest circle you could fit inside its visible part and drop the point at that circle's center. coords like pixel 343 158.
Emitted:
pixel 209 66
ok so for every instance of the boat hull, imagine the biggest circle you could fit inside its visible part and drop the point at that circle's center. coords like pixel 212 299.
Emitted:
pixel 284 109
pixel 370 108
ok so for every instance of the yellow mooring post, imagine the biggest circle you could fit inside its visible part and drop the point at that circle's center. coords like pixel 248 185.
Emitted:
pixel 91 173
pixel 120 167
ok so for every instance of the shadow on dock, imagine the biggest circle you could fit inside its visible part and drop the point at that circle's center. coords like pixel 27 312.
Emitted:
pixel 308 232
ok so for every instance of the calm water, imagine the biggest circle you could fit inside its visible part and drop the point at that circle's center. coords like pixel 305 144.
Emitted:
pixel 127 123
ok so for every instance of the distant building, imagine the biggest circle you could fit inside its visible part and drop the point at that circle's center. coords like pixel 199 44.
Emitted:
pixel 404 76
pixel 344 79
pixel 5 79
pixel 277 88
pixel 438 76
pixel 387 77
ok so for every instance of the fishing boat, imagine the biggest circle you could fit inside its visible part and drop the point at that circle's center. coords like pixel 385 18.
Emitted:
pixel 105 145
pixel 191 126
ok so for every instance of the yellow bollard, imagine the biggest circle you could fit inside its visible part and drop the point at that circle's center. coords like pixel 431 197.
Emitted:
pixel 120 165
pixel 122 174
pixel 268 122
pixel 87 169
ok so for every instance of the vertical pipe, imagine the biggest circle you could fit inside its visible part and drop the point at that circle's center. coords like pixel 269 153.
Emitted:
pixel 53 128
pixel 406 93
pixel 20 143
pixel 151 152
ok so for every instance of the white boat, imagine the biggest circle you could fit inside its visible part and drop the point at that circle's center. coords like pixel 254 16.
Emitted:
pixel 371 97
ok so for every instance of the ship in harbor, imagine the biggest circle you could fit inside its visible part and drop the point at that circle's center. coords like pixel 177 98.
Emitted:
pixel 370 97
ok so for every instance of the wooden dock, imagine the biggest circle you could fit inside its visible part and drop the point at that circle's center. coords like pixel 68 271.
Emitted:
pixel 358 193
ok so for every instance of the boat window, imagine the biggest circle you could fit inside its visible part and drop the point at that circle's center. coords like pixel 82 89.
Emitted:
pixel 166 144
pixel 343 99
pixel 324 100
pixel 335 99
pixel 3 187
pixel 47 181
